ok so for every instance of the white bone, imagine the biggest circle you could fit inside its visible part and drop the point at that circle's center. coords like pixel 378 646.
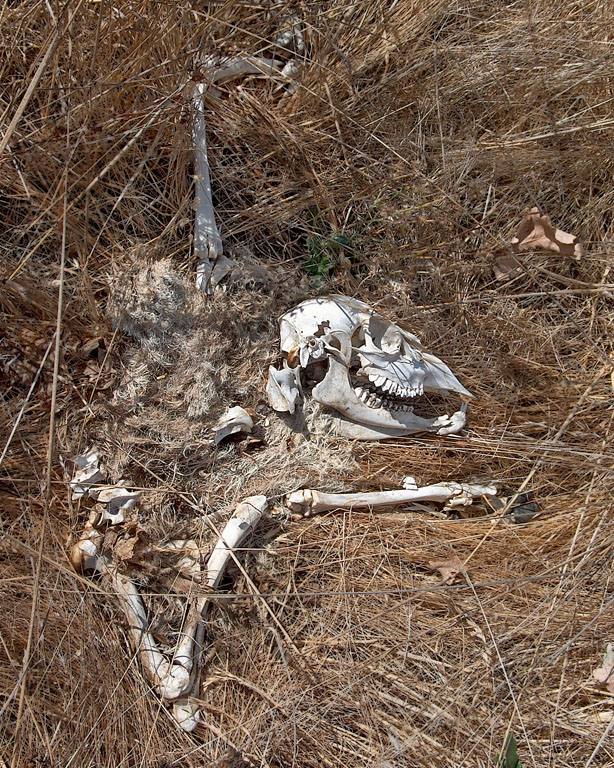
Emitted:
pixel 359 344
pixel 409 483
pixel 87 473
pixel 235 420
pixel 113 502
pixel 207 241
pixel 283 388
pixel 172 678
pixel 224 69
pixel 309 502
pixel 212 265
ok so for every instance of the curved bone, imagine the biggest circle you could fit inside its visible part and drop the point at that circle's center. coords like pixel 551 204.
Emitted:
pixel 308 502
pixel 173 678
pixel 235 420
pixel 335 391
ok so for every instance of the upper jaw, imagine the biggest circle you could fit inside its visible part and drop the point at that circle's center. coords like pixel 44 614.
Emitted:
pixel 336 392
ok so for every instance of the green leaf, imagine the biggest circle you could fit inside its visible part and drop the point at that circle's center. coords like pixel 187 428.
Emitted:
pixel 509 758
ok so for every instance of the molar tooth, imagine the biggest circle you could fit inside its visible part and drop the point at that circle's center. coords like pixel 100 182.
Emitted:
pixel 365 395
pixel 358 391
pixel 386 385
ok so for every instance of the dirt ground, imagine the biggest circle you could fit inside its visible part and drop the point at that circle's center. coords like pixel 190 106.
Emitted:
pixel 396 171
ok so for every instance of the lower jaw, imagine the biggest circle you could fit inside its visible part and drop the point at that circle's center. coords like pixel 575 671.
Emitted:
pixel 336 392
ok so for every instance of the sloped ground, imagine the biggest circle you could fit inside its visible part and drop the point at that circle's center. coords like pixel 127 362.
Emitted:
pixel 418 136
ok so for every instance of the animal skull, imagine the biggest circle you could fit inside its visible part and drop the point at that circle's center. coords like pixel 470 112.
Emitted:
pixel 363 366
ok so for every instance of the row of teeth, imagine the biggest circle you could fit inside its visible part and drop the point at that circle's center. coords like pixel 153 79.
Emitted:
pixel 373 401
pixel 392 388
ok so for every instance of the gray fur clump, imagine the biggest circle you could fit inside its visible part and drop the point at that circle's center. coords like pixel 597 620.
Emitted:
pixel 185 359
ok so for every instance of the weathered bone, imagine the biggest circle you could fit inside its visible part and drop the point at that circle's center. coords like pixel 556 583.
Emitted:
pixel 87 473
pixel 113 502
pixel 309 502
pixel 235 420
pixel 370 370
pixel 173 678
pixel 208 248
pixel 283 388
pixel 212 265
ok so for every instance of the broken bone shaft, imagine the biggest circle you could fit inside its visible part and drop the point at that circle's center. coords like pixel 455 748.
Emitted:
pixel 309 502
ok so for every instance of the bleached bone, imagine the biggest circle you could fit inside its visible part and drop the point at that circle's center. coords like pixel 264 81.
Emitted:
pixel 207 241
pixel 220 70
pixel 283 388
pixel 212 265
pixel 87 473
pixel 113 502
pixel 172 677
pixel 309 502
pixel 369 370
pixel 235 420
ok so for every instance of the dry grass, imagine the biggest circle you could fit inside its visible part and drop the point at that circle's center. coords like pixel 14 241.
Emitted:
pixel 420 131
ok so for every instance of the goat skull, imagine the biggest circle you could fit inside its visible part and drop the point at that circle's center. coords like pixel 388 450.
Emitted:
pixel 364 367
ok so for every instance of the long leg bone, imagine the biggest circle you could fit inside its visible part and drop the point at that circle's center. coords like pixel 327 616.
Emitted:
pixel 172 677
pixel 308 502
pixel 211 263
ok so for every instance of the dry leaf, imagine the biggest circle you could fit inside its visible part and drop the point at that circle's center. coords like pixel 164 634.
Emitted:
pixel 449 569
pixel 130 545
pixel 536 231
pixel 605 674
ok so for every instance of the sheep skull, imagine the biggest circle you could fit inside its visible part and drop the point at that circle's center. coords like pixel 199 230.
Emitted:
pixel 363 366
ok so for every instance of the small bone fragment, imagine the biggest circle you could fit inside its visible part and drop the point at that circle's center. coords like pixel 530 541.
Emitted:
pixel 308 502
pixel 87 474
pixel 113 502
pixel 409 483
pixel 283 389
pixel 235 420
pixel 223 70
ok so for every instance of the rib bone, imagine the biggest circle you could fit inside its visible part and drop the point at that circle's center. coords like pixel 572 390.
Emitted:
pixel 309 502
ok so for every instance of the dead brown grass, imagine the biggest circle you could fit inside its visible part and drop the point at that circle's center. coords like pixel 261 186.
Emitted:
pixel 420 131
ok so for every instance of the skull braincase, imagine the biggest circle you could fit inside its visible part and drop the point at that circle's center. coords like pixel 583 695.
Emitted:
pixel 374 368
